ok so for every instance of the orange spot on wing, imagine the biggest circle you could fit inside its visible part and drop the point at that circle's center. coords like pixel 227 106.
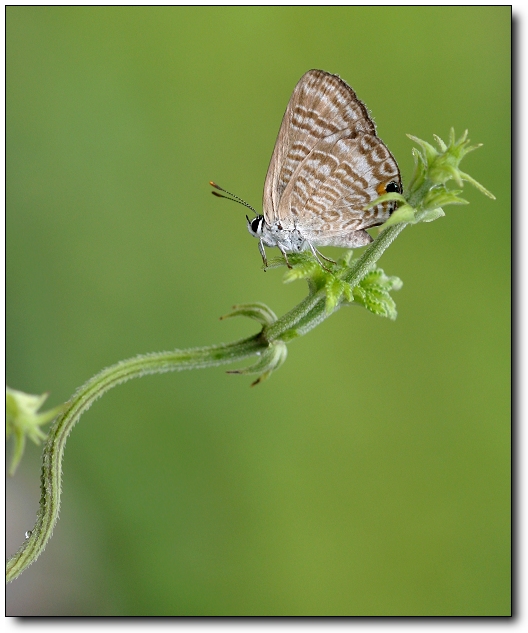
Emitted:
pixel 381 189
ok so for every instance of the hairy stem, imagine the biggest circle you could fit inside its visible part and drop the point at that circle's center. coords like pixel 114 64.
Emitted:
pixel 83 399
pixel 427 195
pixel 312 310
pixel 304 317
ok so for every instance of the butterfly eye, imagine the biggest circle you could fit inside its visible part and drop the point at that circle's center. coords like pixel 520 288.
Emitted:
pixel 255 223
pixel 393 187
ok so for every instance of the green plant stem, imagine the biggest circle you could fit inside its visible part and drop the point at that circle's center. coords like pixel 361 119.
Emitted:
pixel 83 399
pixel 300 320
pixel 312 310
pixel 303 318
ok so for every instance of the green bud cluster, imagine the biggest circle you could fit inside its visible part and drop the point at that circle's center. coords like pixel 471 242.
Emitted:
pixel 23 421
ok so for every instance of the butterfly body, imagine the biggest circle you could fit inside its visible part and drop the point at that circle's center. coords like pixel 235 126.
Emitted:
pixel 327 166
pixel 293 240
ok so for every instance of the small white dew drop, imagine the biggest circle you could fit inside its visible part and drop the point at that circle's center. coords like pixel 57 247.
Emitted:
pixel 28 533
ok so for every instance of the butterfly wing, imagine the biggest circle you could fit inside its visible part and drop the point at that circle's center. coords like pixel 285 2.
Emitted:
pixel 328 163
pixel 335 182
pixel 321 105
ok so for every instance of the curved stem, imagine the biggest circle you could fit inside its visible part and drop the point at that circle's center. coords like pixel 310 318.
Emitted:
pixel 300 320
pixel 83 399
pixel 286 328
pixel 372 254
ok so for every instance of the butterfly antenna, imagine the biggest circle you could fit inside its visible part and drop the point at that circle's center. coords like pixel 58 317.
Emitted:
pixel 233 197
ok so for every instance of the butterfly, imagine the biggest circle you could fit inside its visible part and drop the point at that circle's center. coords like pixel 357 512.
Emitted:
pixel 327 166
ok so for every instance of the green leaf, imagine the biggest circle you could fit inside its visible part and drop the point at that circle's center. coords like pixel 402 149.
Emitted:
pixel 420 171
pixel 440 143
pixel 440 196
pixel 303 270
pixel 432 214
pixel 430 153
pixel 373 293
pixel 404 213
pixel 344 261
pixel 386 197
pixel 335 288
pixel 477 185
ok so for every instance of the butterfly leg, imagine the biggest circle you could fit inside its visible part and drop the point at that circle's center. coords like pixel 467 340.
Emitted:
pixel 327 258
pixel 316 254
pixel 285 256
pixel 263 254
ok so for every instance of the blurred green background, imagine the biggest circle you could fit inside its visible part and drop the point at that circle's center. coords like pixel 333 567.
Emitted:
pixel 371 474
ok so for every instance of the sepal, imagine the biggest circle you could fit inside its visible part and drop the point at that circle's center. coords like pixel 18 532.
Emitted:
pixel 23 421
pixel 442 166
pixel 270 360
pixel 257 311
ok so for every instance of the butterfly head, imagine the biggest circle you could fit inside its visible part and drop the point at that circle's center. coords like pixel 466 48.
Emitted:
pixel 255 225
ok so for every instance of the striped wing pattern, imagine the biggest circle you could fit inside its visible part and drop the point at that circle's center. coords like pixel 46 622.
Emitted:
pixel 328 162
